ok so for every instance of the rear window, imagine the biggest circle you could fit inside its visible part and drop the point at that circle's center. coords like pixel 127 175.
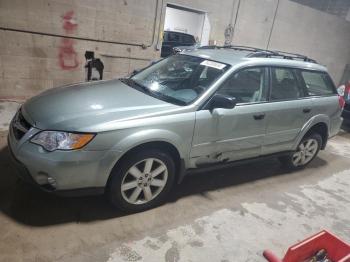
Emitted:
pixel 318 83
pixel 165 36
pixel 173 37
pixel 188 39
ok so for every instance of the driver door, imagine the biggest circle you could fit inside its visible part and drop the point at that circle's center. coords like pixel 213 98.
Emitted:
pixel 223 135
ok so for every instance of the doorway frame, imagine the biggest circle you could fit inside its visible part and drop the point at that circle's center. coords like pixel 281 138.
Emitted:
pixel 180 7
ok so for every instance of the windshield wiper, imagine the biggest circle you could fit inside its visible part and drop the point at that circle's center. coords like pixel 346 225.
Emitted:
pixel 132 83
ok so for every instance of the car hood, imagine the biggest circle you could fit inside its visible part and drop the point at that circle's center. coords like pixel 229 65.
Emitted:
pixel 82 107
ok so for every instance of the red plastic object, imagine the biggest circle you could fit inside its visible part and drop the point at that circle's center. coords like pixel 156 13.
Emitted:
pixel 341 101
pixel 338 251
pixel 347 90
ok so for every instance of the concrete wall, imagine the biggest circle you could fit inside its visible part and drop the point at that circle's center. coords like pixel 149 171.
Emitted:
pixel 254 22
pixel 338 8
pixel 30 63
pixel 321 36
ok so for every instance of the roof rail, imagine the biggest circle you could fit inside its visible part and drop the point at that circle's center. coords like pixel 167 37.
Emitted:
pixel 208 47
pixel 242 48
pixel 258 52
pixel 281 54
pixel 234 47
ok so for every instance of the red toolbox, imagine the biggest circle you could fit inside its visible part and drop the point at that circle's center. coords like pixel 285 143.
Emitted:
pixel 337 250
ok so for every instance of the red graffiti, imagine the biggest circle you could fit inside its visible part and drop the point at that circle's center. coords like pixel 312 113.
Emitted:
pixel 68 57
pixel 69 22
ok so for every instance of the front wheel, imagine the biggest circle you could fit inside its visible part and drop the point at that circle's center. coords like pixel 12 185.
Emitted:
pixel 142 181
pixel 307 150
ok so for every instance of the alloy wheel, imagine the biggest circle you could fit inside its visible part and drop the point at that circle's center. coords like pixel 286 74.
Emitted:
pixel 305 152
pixel 144 181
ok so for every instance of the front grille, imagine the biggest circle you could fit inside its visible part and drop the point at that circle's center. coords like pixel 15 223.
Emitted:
pixel 20 126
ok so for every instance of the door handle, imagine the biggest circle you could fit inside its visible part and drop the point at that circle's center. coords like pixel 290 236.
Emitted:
pixel 306 110
pixel 259 116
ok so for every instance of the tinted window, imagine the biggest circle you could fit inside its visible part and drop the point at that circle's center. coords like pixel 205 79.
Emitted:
pixel 188 39
pixel 173 37
pixel 284 85
pixel 317 83
pixel 247 85
pixel 165 36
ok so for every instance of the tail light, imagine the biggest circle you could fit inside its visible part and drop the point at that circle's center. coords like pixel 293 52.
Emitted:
pixel 344 94
pixel 347 91
pixel 341 101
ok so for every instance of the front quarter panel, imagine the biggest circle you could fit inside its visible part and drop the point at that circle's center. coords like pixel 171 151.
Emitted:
pixel 176 129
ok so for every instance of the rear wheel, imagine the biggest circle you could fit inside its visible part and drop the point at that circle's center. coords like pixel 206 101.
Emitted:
pixel 307 150
pixel 142 181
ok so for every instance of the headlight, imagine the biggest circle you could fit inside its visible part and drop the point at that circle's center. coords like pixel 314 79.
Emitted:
pixel 52 140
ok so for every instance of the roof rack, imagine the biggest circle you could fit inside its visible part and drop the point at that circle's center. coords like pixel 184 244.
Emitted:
pixel 258 52
pixel 242 48
pixel 281 54
pixel 234 47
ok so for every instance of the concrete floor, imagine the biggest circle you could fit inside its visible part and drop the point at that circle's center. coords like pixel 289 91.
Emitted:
pixel 226 215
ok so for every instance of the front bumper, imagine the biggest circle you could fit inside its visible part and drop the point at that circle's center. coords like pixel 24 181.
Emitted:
pixel 22 171
pixel 77 172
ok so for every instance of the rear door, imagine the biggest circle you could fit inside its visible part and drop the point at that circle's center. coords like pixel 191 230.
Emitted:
pixel 289 108
pixel 320 87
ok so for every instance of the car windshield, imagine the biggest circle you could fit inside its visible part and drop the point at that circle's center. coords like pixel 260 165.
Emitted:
pixel 179 79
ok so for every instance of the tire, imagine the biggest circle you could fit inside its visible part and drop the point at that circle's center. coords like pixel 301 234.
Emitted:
pixel 146 177
pixel 291 161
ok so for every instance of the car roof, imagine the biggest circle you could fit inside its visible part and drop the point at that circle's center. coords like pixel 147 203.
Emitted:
pixel 244 57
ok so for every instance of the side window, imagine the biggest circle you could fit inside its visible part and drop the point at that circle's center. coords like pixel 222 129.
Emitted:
pixel 188 39
pixel 317 83
pixel 284 85
pixel 165 36
pixel 247 85
pixel 173 37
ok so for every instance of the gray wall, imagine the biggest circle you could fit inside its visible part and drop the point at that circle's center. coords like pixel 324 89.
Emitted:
pixel 30 63
pixel 321 36
pixel 339 8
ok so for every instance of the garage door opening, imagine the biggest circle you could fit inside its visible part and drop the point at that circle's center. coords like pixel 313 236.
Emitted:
pixel 184 27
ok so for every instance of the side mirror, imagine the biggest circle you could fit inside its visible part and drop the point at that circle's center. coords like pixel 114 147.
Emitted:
pixel 222 101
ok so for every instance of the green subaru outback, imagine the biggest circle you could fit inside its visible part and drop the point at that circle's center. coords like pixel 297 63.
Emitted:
pixel 134 138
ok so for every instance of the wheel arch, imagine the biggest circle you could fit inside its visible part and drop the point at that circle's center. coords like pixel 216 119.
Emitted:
pixel 322 129
pixel 157 144
pixel 319 124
